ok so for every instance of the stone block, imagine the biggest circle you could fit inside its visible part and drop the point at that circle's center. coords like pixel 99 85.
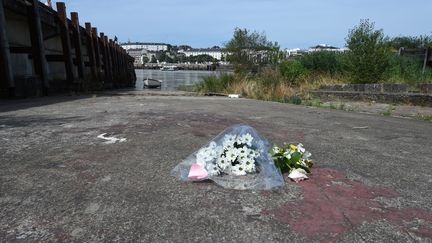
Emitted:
pixel 395 88
pixel 373 88
pixel 425 88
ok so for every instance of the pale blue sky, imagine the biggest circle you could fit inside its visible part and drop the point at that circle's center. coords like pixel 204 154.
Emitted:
pixel 293 23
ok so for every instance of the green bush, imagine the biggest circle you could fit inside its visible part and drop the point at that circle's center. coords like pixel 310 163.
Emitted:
pixel 409 70
pixel 325 61
pixel 369 56
pixel 293 100
pixel 268 77
pixel 216 84
pixel 292 71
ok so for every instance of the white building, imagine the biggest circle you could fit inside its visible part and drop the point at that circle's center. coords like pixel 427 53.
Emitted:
pixel 293 52
pixel 138 55
pixel 213 52
pixel 317 48
pixel 325 47
pixel 146 46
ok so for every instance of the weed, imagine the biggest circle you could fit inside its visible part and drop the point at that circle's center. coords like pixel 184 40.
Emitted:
pixel 389 111
pixel 424 117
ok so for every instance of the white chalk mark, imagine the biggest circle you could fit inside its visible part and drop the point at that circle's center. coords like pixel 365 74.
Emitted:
pixel 111 140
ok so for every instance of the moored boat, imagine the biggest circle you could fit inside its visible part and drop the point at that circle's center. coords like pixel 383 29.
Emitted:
pixel 169 68
pixel 152 83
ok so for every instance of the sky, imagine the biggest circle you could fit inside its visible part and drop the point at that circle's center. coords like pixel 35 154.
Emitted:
pixel 292 23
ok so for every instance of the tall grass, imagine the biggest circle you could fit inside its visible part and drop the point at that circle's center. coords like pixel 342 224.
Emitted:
pixel 270 84
pixel 216 84
pixel 407 70
pixel 295 78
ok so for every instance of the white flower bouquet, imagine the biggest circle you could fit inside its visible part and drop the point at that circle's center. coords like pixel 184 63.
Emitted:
pixel 237 158
pixel 234 156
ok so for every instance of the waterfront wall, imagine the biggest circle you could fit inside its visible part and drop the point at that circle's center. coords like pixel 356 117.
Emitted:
pixel 184 66
pixel 42 51
pixel 385 93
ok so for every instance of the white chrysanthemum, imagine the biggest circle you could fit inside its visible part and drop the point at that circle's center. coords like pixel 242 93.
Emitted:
pixel 212 145
pixel 238 170
pixel 206 155
pixel 288 154
pixel 218 151
pixel 251 169
pixel 247 139
pixel 229 140
pixel 240 140
pixel 232 154
pixel 209 155
pixel 276 149
pixel 243 152
pixel 223 163
pixel 228 169
pixel 212 169
pixel 243 159
pixel 228 145
pixel 300 148
pixel 201 158
pixel 249 165
pixel 256 154
pixel 307 155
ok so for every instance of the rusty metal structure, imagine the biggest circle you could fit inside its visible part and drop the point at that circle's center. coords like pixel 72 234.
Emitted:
pixel 42 52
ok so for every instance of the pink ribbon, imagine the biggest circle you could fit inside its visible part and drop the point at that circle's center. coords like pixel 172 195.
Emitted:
pixel 197 172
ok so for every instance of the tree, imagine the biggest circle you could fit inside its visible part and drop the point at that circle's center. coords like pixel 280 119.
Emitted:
pixel 153 59
pixel 249 49
pixel 145 59
pixel 369 56
pixel 421 41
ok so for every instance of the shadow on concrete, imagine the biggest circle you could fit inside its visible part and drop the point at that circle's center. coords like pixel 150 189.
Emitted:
pixel 7 105
pixel 25 121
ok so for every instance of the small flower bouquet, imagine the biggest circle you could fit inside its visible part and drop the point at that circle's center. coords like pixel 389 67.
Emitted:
pixel 237 158
pixel 293 159
pixel 234 156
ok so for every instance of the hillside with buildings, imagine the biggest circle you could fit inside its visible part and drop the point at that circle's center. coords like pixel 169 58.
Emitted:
pixel 166 53
pixel 151 52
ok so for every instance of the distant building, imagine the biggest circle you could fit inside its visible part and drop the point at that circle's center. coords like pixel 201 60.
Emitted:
pixel 216 53
pixel 325 47
pixel 138 55
pixel 146 46
pixel 321 47
pixel 293 52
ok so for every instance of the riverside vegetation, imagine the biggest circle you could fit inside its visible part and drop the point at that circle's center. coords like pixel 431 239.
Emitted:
pixel 261 71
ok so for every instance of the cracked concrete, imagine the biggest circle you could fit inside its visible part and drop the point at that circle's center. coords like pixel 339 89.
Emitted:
pixel 59 182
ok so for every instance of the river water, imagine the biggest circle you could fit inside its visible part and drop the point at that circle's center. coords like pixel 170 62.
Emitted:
pixel 172 79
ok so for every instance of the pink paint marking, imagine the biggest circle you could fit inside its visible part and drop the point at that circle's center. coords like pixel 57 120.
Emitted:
pixel 333 205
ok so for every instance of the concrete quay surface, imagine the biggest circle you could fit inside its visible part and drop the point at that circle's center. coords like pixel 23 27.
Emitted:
pixel 60 182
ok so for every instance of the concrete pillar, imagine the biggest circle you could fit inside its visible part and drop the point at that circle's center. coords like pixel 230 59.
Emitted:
pixel 38 48
pixel 6 75
pixel 66 43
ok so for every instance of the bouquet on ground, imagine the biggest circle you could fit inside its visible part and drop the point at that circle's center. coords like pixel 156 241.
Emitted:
pixel 237 158
pixel 293 159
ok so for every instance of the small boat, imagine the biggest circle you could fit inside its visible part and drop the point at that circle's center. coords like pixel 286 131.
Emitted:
pixel 151 83
pixel 169 68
